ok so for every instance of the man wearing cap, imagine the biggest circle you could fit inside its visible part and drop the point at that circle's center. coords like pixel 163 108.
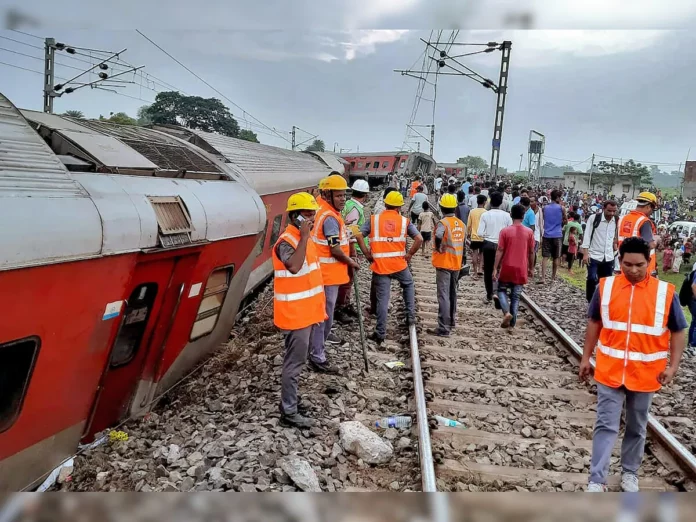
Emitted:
pixel 332 243
pixel 299 306
pixel 447 260
pixel 637 223
pixel 387 253
pixel 353 215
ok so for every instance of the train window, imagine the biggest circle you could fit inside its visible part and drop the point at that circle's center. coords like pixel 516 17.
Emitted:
pixel 360 164
pixel 275 232
pixel 375 165
pixel 17 360
pixel 352 164
pixel 211 304
pixel 133 325
pixel 385 165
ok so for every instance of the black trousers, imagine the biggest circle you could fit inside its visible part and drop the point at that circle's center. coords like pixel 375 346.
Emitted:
pixel 489 249
pixel 597 270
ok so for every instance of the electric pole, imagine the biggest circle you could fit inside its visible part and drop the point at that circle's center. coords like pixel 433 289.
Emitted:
pixel 589 182
pixel 520 167
pixel 505 47
pixel 432 139
pixel 49 74
pixel 293 137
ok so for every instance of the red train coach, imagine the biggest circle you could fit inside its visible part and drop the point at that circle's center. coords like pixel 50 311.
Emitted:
pixel 376 167
pixel 115 277
pixel 274 173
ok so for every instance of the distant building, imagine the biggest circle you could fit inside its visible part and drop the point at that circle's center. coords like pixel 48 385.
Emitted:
pixel 580 181
pixel 690 179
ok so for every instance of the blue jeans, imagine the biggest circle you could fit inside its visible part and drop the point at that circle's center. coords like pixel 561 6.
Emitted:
pixel 692 328
pixel 513 304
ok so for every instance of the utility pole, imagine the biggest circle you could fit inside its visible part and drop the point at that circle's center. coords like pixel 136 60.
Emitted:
pixel 505 47
pixel 293 137
pixel 589 182
pixel 520 167
pixel 683 181
pixel 432 139
pixel 49 74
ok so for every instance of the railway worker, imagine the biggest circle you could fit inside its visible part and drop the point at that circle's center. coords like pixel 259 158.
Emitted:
pixel 638 223
pixel 332 243
pixel 299 305
pixel 387 253
pixel 599 246
pixel 414 186
pixel 448 253
pixel 353 214
pixel 636 324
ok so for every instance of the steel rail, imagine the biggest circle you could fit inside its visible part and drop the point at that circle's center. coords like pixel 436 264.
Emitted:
pixel 424 445
pixel 676 448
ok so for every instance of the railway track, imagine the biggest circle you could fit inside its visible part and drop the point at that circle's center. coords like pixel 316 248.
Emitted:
pixel 527 419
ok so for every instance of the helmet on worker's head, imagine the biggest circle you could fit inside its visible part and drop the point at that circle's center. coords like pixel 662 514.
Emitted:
pixel 448 201
pixel 360 185
pixel 302 201
pixel 394 199
pixel 646 198
pixel 333 183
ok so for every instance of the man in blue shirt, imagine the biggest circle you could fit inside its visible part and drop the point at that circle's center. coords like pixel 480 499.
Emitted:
pixel 529 220
pixel 465 188
pixel 552 240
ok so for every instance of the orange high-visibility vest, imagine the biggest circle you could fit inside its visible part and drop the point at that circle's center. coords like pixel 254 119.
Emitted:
pixel 629 226
pixel 634 341
pixel 388 242
pixel 333 271
pixel 414 186
pixel 298 299
pixel 452 245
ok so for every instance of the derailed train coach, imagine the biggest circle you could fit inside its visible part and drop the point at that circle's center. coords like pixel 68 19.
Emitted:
pixel 125 255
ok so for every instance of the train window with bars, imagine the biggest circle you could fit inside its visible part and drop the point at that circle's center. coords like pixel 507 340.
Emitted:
pixel 211 304
pixel 375 165
pixel 17 361
pixel 133 325
pixel 275 231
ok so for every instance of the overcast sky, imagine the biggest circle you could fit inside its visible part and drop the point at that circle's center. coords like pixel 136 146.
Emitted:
pixel 625 93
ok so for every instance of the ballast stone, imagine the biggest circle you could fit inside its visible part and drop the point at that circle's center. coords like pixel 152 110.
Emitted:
pixel 301 473
pixel 365 444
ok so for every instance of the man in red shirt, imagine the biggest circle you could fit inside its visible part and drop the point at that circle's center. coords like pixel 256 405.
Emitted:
pixel 514 264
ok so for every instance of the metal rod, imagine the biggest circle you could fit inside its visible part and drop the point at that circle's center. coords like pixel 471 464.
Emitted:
pixel 676 448
pixel 360 320
pixel 425 448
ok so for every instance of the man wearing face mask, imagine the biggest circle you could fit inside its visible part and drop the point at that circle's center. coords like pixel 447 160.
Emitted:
pixel 636 324
pixel 331 240
pixel 299 306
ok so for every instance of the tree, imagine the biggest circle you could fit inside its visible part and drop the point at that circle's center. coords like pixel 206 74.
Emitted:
pixel 316 146
pixel 74 114
pixel 193 112
pixel 248 135
pixel 143 115
pixel 475 164
pixel 610 173
pixel 120 118
pixel 639 174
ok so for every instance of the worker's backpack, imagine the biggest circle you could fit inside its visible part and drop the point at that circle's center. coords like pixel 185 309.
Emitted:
pixel 598 219
pixel 685 292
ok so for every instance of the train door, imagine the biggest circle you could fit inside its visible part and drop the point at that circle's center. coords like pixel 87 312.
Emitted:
pixel 153 300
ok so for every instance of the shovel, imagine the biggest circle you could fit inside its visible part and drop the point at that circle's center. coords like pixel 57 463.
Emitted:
pixel 360 319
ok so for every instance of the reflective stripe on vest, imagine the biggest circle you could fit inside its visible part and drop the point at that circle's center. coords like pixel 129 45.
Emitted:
pixel 388 246
pixel 306 269
pixel 632 356
pixel 451 258
pixel 656 329
pixel 300 295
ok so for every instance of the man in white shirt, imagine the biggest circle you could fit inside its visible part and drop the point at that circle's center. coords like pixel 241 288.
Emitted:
pixel 437 185
pixel 492 222
pixel 601 241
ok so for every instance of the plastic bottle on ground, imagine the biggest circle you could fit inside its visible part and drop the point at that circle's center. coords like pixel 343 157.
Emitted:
pixel 443 421
pixel 401 422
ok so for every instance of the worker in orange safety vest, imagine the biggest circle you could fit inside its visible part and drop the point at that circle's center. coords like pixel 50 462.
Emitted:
pixel 414 186
pixel 638 223
pixel 299 305
pixel 331 240
pixel 637 328
pixel 387 253
pixel 448 253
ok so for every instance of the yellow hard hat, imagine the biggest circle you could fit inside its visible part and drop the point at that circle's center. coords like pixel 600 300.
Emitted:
pixel 394 199
pixel 647 197
pixel 448 201
pixel 302 201
pixel 333 183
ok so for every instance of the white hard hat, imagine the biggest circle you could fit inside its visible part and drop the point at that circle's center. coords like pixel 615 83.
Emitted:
pixel 360 185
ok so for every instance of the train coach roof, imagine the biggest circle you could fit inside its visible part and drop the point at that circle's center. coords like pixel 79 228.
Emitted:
pixel 269 170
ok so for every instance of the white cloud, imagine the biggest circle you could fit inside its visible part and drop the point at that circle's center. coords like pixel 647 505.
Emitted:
pixel 365 42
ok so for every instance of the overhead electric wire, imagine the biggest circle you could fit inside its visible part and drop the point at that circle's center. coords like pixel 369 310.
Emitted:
pixel 209 85
pixel 27 34
pixel 22 43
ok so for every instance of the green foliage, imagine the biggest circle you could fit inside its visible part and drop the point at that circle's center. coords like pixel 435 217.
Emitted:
pixel 144 116
pixel 611 173
pixel 316 146
pixel 120 118
pixel 74 114
pixel 193 112
pixel 519 179
pixel 248 135
pixel 475 164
